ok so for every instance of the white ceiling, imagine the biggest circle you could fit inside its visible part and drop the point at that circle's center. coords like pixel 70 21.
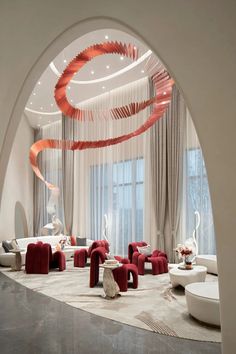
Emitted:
pixel 94 77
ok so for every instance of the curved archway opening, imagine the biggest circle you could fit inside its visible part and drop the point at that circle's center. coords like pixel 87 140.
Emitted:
pixel 92 200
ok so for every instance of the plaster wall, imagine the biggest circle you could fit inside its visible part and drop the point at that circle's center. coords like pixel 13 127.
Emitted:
pixel 196 41
pixel 18 186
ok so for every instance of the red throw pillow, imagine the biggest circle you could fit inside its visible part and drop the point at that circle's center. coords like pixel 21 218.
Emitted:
pixel 73 241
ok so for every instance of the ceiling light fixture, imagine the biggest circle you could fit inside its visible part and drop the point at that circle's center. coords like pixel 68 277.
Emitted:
pixel 164 93
pixel 39 82
pixel 31 102
pixel 42 113
pixel 142 71
pixel 34 94
pixel 68 87
pixel 121 58
pixel 103 87
pixel 108 77
pixel 108 67
pixel 41 108
pixel 92 72
pixel 106 36
pixel 65 61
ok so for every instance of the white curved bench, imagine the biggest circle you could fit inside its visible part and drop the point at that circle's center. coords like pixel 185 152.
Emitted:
pixel 203 302
pixel 209 261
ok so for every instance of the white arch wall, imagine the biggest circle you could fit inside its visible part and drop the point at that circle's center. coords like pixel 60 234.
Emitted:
pixel 195 39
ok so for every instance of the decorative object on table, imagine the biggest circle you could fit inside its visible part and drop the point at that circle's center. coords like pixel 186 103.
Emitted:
pixel 185 254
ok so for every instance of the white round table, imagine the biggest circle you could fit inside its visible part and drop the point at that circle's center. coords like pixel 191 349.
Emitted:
pixel 186 276
pixel 203 302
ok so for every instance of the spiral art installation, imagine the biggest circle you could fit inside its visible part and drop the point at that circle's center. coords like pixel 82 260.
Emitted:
pixel 162 84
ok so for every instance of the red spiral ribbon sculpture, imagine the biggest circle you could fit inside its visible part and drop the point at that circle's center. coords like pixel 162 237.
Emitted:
pixel 163 89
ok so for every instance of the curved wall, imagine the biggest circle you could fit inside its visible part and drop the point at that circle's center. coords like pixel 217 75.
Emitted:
pixel 196 41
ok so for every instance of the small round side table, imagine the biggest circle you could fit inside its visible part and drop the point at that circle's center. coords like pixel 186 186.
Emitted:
pixel 110 286
pixel 17 264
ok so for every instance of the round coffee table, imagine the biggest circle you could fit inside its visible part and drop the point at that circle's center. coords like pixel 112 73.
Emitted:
pixel 187 276
pixel 203 302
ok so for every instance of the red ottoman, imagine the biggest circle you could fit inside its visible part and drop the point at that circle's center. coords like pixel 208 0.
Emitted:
pixel 80 258
pixel 159 265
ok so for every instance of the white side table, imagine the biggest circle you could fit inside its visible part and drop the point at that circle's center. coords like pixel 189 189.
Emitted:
pixel 110 286
pixel 186 276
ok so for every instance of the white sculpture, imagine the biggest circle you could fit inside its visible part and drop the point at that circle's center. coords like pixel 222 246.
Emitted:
pixel 56 226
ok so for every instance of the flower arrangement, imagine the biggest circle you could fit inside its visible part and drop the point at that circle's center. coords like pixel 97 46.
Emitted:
pixel 183 251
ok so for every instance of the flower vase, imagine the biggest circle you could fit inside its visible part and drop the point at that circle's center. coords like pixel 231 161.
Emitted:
pixel 187 263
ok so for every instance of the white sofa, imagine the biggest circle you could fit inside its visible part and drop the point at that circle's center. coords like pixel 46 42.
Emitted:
pixel 209 261
pixel 7 259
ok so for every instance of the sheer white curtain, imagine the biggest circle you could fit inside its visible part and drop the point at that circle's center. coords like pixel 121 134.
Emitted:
pixel 50 163
pixel 109 182
pixel 196 196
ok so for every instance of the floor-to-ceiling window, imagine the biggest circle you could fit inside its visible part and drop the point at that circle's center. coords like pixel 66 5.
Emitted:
pixel 117 193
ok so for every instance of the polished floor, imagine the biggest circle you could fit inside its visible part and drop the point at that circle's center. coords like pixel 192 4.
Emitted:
pixel 33 323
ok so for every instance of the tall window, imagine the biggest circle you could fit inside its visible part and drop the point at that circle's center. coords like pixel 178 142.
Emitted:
pixel 117 191
pixel 198 199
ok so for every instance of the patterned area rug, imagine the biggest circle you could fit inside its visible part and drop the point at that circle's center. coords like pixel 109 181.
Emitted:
pixel 154 306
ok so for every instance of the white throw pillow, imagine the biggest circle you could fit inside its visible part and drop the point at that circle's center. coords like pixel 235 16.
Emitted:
pixel 146 250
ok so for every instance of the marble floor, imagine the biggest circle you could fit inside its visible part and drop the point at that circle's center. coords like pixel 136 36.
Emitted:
pixel 33 323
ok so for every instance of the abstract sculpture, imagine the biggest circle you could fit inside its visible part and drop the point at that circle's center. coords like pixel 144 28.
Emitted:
pixel 162 85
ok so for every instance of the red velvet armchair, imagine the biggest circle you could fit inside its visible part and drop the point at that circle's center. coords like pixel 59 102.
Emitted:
pixel 158 259
pixel 39 259
pixel 121 274
pixel 81 256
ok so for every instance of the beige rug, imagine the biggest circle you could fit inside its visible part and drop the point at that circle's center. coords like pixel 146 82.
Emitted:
pixel 153 306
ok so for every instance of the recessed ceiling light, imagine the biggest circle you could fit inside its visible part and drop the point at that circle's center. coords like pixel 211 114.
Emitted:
pixel 106 36
pixel 34 93
pixel 103 87
pixel 142 71
pixel 40 117
pixel 121 58
pixel 49 121
pixel 108 66
pixel 38 125
pixel 39 82
pixel 92 72
pixel 65 61
pixel 71 100
pixel 41 108
pixel 31 102
pixel 51 104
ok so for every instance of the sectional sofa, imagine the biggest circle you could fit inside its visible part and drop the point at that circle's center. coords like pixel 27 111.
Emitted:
pixel 6 259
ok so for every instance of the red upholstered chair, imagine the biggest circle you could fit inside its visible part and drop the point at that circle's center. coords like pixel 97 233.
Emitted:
pixel 158 259
pixel 121 274
pixel 81 256
pixel 39 259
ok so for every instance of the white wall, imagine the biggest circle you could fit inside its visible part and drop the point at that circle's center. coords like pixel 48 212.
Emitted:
pixel 196 41
pixel 18 185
